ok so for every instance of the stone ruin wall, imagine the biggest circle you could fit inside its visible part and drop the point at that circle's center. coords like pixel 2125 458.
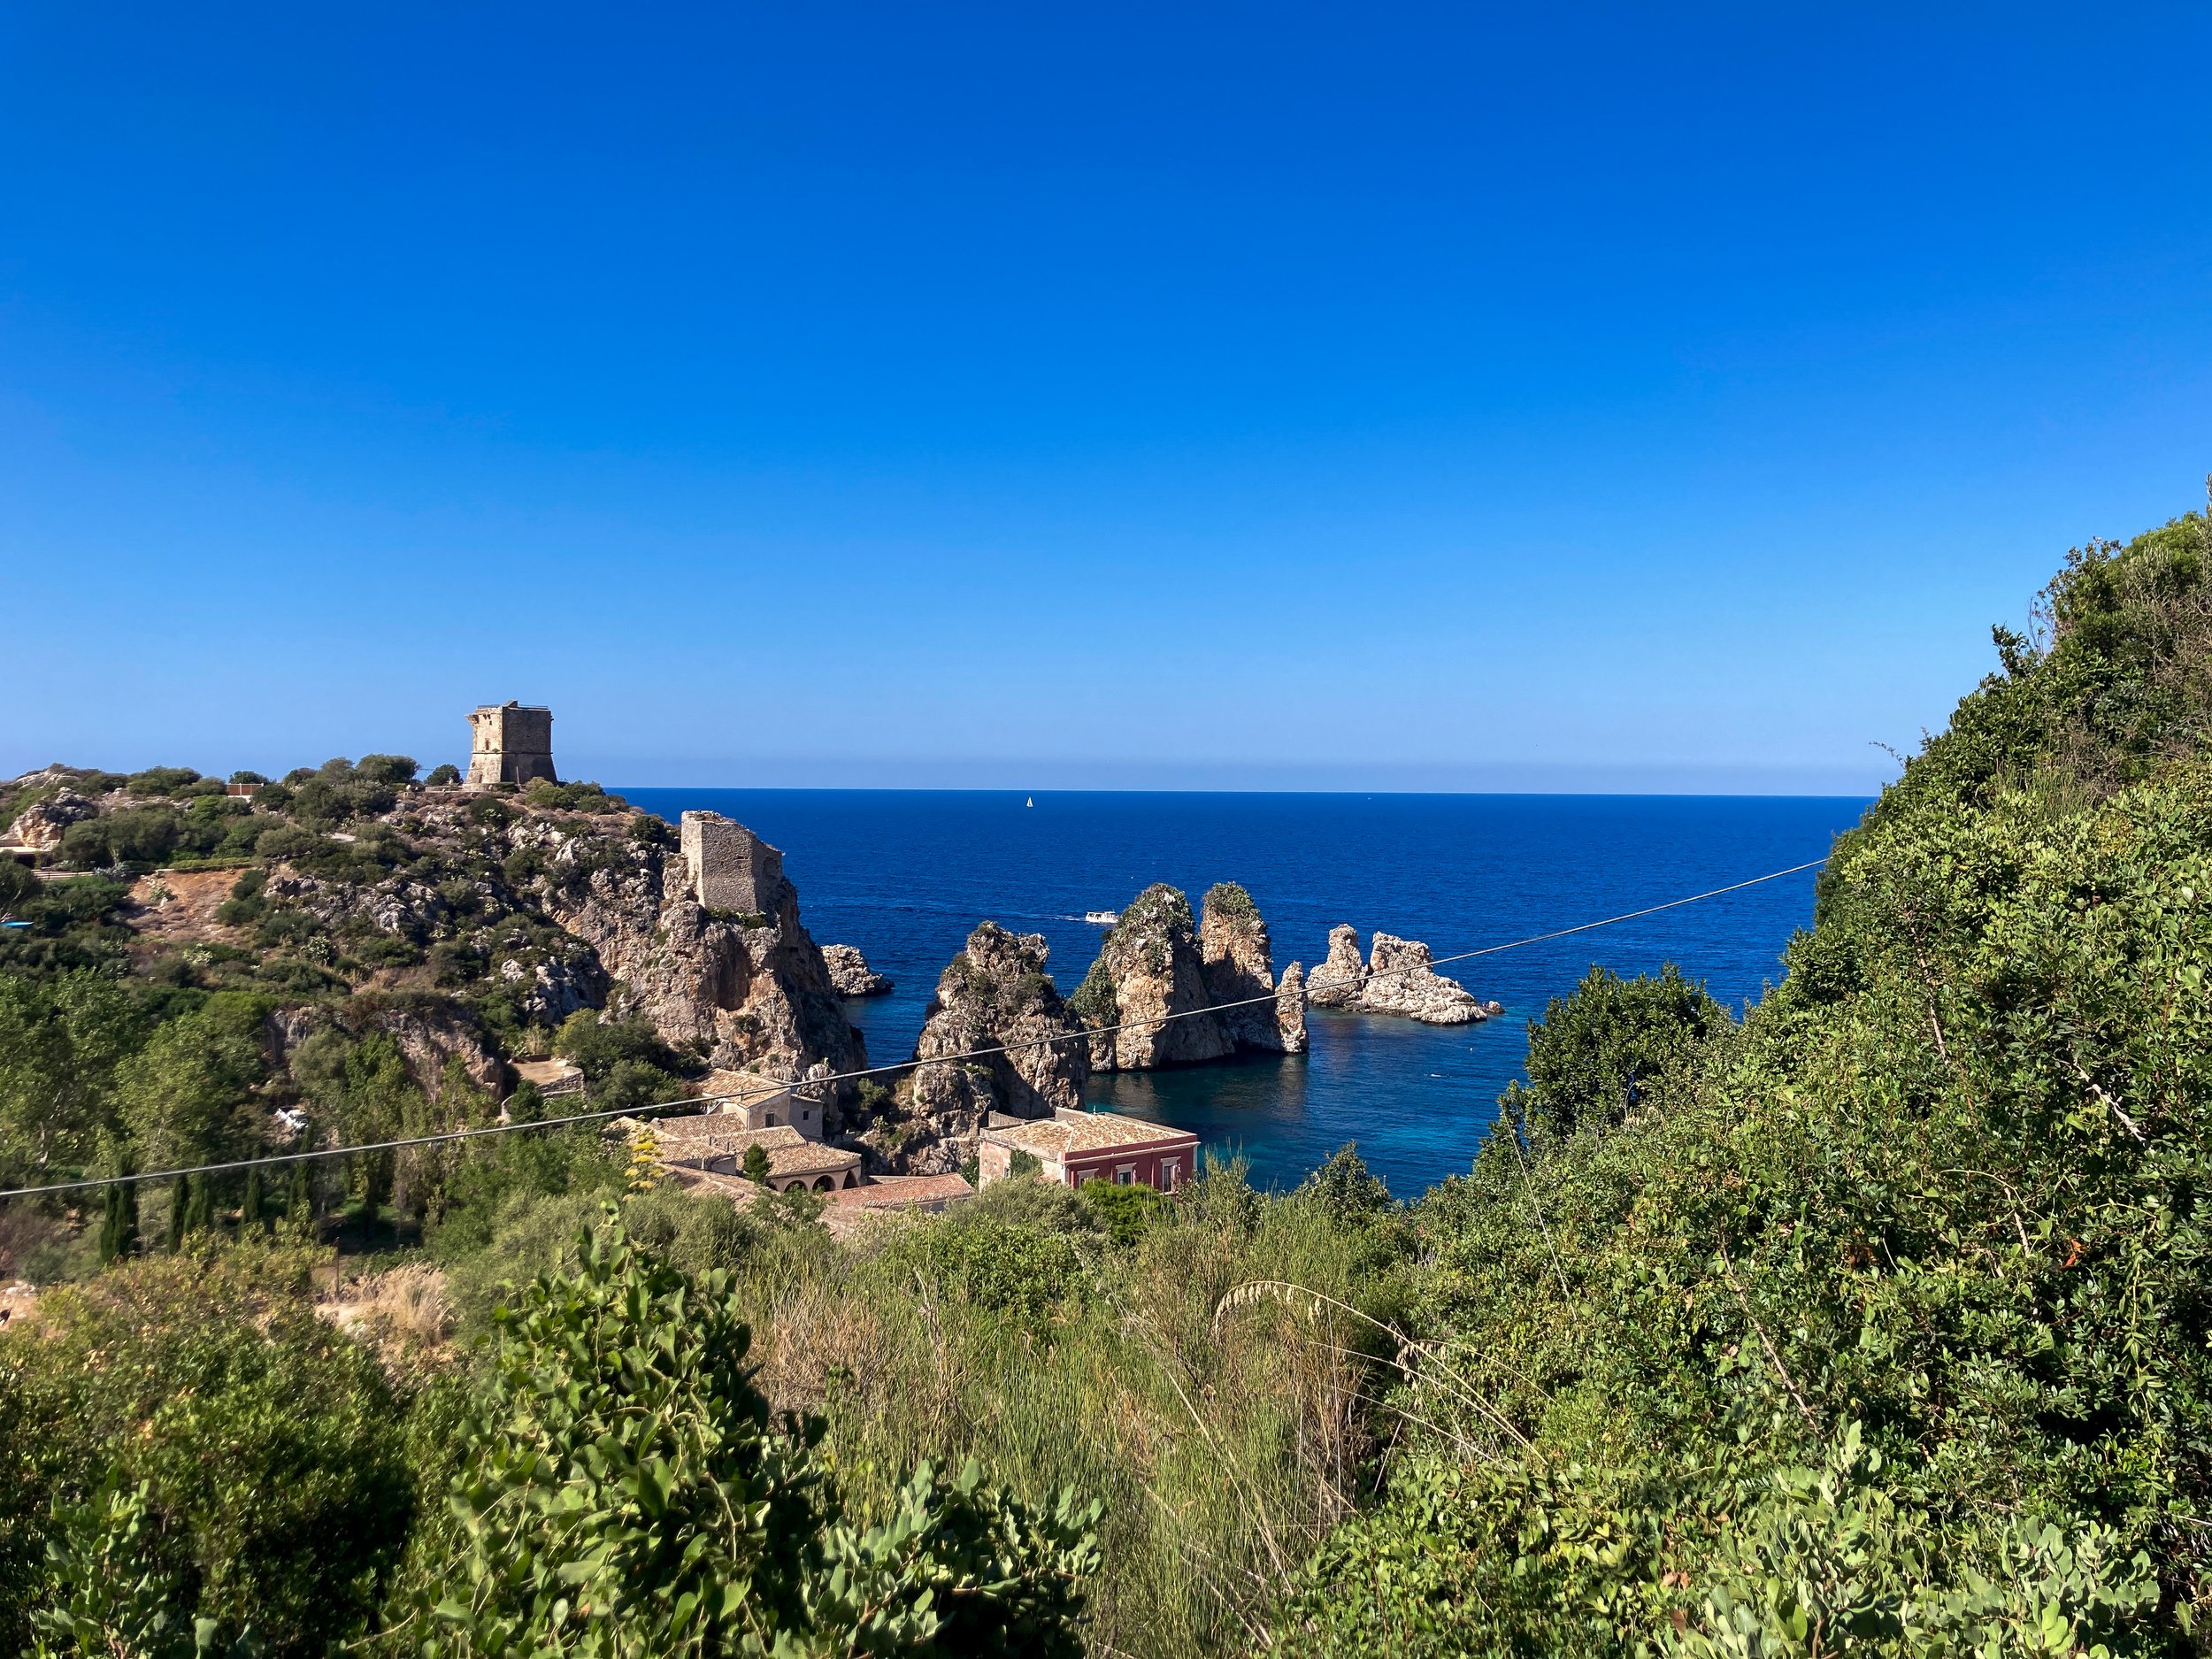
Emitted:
pixel 732 869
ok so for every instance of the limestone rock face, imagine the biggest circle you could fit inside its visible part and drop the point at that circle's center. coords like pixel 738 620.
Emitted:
pixel 1396 979
pixel 849 972
pixel 1240 968
pixel 40 827
pixel 429 1037
pixel 997 996
pixel 1337 978
pixel 749 992
pixel 1150 967
pixel 1290 1010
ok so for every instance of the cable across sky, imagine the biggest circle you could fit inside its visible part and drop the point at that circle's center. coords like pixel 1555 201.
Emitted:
pixel 694 1101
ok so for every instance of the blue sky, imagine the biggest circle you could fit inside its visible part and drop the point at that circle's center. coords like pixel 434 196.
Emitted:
pixel 1047 395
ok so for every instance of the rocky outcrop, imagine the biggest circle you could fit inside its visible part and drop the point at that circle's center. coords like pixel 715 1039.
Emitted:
pixel 1149 968
pixel 430 1035
pixel 1338 979
pixel 1396 979
pixel 748 992
pixel 1239 972
pixel 40 827
pixel 849 972
pixel 1167 992
pixel 1026 1054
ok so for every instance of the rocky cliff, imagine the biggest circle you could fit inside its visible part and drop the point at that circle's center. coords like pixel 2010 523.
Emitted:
pixel 1240 967
pixel 994 996
pixel 1396 979
pixel 743 992
pixel 1148 997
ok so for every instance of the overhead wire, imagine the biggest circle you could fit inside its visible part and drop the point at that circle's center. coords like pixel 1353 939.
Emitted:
pixel 775 1087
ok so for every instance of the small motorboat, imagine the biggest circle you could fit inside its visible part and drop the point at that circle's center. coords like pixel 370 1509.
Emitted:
pixel 1103 919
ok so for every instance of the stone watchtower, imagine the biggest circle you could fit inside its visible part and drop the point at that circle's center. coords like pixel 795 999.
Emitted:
pixel 509 744
pixel 732 869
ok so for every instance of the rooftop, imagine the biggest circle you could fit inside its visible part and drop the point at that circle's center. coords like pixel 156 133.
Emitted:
pixel 1066 1132
pixel 702 1139
pixel 899 1192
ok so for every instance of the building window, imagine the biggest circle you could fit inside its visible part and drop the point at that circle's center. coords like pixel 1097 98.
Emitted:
pixel 1125 1176
pixel 1169 1168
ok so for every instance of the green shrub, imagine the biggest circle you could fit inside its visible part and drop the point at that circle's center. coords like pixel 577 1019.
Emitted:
pixel 1125 1211
pixel 160 779
pixel 386 769
pixel 219 1441
pixel 632 1496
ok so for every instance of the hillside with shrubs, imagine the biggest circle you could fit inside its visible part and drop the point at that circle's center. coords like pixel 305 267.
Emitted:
pixel 1875 1321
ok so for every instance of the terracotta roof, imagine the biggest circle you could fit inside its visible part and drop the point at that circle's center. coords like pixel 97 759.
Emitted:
pixel 1068 1132
pixel 708 1134
pixel 896 1192
pixel 810 1157
pixel 700 1139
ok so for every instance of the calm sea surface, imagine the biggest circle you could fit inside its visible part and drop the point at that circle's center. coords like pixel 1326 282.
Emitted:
pixel 905 874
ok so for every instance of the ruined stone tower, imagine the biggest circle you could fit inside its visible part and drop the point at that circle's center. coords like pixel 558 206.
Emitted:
pixel 509 744
pixel 732 869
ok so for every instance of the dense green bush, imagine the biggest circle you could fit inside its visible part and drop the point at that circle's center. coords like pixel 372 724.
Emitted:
pixel 202 1431
pixel 1880 1322
pixel 621 1492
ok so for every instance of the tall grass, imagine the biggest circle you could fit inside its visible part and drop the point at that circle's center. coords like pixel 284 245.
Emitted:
pixel 1224 1442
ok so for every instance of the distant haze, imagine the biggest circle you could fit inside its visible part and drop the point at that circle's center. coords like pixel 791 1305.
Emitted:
pixel 1136 396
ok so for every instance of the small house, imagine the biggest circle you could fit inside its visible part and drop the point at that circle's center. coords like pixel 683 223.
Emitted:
pixel 1073 1147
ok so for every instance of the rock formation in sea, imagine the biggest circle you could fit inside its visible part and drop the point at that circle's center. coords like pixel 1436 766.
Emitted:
pixel 1396 979
pixel 1149 968
pixel 1240 967
pixel 994 997
pixel 849 972
pixel 1148 998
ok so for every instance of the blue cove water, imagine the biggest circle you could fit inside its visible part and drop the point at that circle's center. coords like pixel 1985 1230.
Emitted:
pixel 906 874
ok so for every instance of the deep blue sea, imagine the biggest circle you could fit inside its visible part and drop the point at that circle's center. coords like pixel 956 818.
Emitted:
pixel 905 874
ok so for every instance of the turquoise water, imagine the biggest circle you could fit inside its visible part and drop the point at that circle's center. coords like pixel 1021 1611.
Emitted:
pixel 905 874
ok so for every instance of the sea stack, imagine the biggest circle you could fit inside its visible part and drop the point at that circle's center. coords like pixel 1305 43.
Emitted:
pixel 994 996
pixel 1240 969
pixel 1154 996
pixel 1396 979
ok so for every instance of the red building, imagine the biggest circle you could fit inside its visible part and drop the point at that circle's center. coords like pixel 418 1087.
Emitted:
pixel 1074 1147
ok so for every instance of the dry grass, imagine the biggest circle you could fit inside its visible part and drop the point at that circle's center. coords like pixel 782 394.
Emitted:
pixel 403 1309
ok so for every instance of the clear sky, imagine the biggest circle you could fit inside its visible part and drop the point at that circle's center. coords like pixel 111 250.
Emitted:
pixel 1042 396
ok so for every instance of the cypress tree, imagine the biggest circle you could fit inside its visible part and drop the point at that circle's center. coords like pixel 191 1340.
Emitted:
pixel 199 1216
pixel 119 1224
pixel 300 1205
pixel 249 1210
pixel 180 1200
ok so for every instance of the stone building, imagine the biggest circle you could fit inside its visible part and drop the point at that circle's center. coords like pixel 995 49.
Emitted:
pixel 732 869
pixel 508 743
pixel 711 1145
pixel 1073 1147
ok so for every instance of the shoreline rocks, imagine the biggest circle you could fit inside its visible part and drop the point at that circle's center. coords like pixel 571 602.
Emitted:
pixel 849 972
pixel 1395 978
